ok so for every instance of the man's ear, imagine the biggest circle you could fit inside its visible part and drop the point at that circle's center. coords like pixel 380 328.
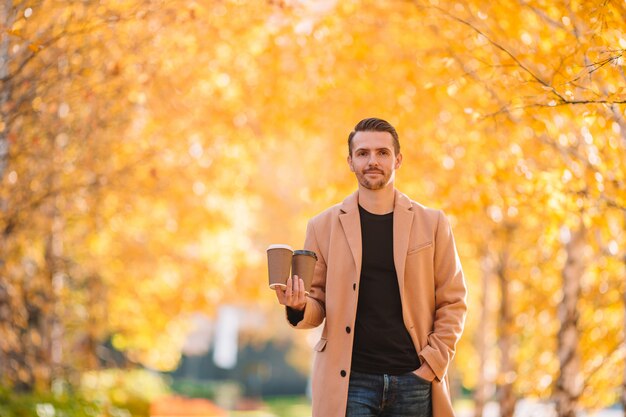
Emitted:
pixel 349 159
pixel 398 161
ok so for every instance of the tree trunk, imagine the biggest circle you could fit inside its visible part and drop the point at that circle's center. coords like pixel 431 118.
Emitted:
pixel 506 397
pixel 52 324
pixel 6 11
pixel 619 119
pixel 507 374
pixel 56 270
pixel 624 343
pixel 6 21
pixel 484 387
pixel 569 384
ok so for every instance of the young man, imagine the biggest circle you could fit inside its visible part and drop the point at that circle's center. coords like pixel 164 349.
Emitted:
pixel 389 283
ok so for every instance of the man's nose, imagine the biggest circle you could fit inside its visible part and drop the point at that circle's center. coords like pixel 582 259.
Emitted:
pixel 373 160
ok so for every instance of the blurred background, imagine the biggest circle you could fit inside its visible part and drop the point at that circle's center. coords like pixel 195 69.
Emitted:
pixel 151 150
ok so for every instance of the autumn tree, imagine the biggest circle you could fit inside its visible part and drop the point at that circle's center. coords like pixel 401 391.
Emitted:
pixel 58 134
pixel 565 63
pixel 156 148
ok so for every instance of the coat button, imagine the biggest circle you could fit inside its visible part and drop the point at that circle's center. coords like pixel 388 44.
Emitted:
pixel 354 286
pixel 343 373
pixel 347 329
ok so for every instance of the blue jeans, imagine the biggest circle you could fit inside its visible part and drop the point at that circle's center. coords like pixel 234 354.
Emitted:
pixel 385 395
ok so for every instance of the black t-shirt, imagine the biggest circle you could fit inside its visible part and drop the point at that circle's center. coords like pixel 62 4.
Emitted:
pixel 382 344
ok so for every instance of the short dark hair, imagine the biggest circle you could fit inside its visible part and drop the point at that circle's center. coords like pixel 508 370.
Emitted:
pixel 374 124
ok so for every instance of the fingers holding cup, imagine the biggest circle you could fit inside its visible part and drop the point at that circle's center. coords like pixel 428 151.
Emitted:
pixel 280 294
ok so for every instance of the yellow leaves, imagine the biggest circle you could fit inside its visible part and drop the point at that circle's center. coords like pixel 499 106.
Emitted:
pixel 24 375
pixel 18 31
pixel 208 132
pixel 137 97
pixel 526 38
pixel 14 32
pixel 116 382
pixel 37 103
pixel 158 346
pixel 34 47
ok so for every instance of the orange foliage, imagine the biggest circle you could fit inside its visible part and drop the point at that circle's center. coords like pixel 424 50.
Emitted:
pixel 156 148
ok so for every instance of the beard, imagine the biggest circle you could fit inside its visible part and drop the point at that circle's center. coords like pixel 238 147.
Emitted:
pixel 373 184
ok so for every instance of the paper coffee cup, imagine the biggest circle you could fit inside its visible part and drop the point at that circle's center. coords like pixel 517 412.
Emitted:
pixel 279 264
pixel 303 265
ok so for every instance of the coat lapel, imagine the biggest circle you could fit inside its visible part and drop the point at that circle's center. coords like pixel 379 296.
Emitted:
pixel 402 221
pixel 351 223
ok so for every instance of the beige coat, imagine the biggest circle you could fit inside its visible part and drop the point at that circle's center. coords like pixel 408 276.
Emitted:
pixel 432 290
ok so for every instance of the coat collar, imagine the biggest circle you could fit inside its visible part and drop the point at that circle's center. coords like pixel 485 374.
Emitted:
pixel 351 202
pixel 402 221
pixel 351 223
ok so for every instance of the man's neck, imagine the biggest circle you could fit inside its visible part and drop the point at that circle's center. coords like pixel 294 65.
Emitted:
pixel 377 201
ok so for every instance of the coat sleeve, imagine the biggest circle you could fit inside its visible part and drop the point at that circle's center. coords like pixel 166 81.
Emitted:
pixel 450 301
pixel 315 310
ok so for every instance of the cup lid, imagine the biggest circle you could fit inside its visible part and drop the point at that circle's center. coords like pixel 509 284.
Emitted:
pixel 279 246
pixel 305 252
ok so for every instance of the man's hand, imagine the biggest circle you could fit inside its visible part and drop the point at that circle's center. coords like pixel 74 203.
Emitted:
pixel 425 372
pixel 293 296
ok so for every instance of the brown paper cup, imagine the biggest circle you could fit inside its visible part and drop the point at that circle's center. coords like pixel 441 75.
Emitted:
pixel 278 264
pixel 303 265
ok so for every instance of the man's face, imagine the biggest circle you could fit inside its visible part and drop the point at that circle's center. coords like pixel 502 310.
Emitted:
pixel 373 159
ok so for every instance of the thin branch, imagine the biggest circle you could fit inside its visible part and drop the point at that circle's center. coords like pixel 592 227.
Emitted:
pixel 561 100
pixel 12 219
pixel 554 104
pixel 63 34
pixel 594 66
pixel 605 361
pixel 503 49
